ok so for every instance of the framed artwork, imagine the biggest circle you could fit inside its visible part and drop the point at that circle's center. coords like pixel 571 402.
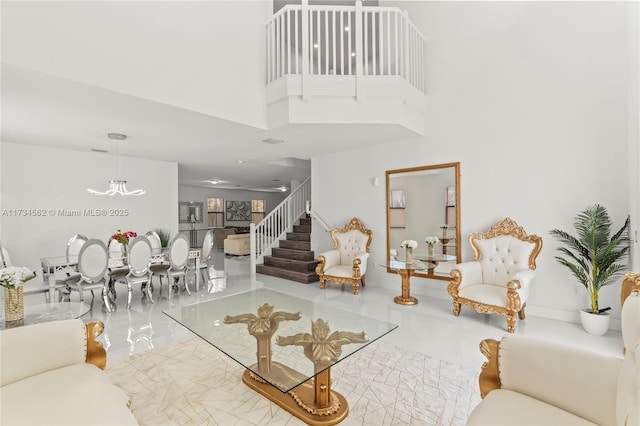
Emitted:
pixel 451 196
pixel 238 210
pixel 396 200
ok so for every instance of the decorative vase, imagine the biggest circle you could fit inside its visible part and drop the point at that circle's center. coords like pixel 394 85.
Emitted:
pixel 409 256
pixel 430 250
pixel 124 249
pixel 14 304
pixel 596 324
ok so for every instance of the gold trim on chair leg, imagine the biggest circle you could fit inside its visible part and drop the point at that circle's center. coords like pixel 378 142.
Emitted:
pixel 521 312
pixel 96 354
pixel 452 289
pixel 631 282
pixel 489 378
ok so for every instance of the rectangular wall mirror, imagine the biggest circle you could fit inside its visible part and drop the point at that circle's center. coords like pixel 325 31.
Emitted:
pixel 430 207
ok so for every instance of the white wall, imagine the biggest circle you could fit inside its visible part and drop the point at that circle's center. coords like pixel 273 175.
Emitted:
pixel 122 50
pixel 531 98
pixel 49 180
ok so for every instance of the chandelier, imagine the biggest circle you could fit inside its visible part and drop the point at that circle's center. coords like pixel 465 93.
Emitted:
pixel 117 186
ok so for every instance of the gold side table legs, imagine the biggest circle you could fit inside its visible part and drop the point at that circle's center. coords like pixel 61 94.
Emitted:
pixel 405 298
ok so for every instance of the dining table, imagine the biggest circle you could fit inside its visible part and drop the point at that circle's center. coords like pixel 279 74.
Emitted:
pixel 53 265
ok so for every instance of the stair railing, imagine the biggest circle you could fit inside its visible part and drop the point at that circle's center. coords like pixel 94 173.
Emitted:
pixel 315 216
pixel 266 234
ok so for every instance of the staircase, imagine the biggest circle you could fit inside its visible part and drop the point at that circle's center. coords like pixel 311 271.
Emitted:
pixel 293 260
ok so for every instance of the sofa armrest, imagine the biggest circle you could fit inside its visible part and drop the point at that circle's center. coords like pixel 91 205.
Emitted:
pixel 470 273
pixel 362 257
pixel 34 349
pixel 573 379
pixel 331 258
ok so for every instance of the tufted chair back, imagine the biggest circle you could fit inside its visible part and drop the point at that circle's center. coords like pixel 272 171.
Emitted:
pixel 501 257
pixel 350 244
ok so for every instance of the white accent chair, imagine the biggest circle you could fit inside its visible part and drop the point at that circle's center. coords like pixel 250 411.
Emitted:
pixel 529 381
pixel 347 262
pixel 498 280
pixel 52 374
pixel 205 257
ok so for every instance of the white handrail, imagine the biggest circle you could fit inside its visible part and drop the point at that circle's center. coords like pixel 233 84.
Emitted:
pixel 317 218
pixel 265 235
pixel 321 40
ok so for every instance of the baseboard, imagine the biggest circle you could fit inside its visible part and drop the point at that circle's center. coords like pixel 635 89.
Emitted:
pixel 567 316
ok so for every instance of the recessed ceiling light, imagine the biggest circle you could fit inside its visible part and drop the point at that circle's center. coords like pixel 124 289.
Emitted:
pixel 283 189
pixel 214 181
pixel 240 161
pixel 315 45
pixel 273 141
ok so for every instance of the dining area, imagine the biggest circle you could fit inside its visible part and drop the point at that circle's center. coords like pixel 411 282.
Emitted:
pixel 90 272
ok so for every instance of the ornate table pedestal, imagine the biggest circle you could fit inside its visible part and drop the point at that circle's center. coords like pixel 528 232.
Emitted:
pixel 406 271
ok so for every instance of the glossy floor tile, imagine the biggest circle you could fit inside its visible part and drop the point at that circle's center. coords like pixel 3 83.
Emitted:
pixel 428 327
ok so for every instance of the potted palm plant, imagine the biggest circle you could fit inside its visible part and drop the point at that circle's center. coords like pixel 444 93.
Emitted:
pixel 592 258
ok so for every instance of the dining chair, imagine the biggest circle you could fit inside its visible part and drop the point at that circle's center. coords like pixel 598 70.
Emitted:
pixel 33 287
pixel 139 260
pixel 74 245
pixel 93 261
pixel 156 247
pixel 207 246
pixel 118 271
pixel 178 257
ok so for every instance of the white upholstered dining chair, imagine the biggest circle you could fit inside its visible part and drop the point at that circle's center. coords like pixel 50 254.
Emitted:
pixel 178 257
pixel 139 261
pixel 93 261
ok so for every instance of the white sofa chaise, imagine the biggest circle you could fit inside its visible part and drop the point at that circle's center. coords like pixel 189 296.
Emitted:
pixel 52 374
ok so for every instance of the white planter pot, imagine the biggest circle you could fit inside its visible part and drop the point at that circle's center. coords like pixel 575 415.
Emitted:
pixel 596 324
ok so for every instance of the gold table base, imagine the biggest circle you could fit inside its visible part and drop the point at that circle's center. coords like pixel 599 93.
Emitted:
pixel 405 298
pixel 301 401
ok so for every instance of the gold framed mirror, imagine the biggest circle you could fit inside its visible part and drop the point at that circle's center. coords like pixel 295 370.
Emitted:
pixel 425 202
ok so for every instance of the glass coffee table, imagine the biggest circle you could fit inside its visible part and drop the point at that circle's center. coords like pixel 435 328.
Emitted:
pixel 286 344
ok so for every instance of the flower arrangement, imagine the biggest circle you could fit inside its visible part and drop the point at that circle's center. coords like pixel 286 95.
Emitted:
pixel 409 244
pixel 431 240
pixel 123 237
pixel 444 228
pixel 15 276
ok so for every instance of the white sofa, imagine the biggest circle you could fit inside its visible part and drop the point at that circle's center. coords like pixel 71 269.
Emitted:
pixel 52 374
pixel 533 382
pixel 237 244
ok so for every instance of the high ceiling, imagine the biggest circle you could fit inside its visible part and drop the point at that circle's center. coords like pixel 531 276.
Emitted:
pixel 61 87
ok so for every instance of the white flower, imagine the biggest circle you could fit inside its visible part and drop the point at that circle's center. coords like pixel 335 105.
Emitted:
pixel 431 240
pixel 15 276
pixel 409 244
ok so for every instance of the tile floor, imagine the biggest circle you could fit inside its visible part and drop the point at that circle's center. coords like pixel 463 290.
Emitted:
pixel 428 327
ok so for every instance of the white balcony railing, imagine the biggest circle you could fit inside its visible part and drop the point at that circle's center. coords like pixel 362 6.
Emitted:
pixel 355 41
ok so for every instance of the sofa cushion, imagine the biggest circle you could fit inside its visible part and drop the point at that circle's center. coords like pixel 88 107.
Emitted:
pixel 79 394
pixel 503 407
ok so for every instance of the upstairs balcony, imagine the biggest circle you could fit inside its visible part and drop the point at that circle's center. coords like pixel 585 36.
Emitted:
pixel 345 65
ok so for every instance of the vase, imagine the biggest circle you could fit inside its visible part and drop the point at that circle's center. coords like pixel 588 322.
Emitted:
pixel 596 324
pixel 14 304
pixel 430 250
pixel 409 256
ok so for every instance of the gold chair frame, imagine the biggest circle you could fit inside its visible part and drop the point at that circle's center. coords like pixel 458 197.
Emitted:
pixel 357 277
pixel 514 306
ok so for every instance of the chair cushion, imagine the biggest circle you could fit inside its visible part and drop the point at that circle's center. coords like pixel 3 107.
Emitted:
pixel 342 271
pixel 79 394
pixel 485 293
pixel 501 256
pixel 503 407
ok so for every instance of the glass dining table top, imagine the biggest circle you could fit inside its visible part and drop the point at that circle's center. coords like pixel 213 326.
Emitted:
pixel 401 265
pixel 304 336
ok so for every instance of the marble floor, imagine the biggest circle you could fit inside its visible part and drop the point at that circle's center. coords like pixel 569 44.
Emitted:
pixel 428 327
